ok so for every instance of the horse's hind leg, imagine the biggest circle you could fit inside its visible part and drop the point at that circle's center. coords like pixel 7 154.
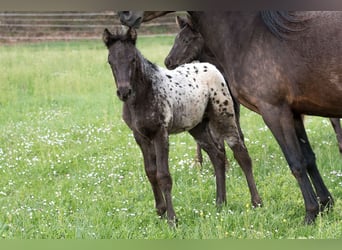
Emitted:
pixel 217 154
pixel 281 122
pixel 324 195
pixel 147 149
pixel 335 122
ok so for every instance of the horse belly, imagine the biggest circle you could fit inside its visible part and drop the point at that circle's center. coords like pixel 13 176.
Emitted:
pixel 188 112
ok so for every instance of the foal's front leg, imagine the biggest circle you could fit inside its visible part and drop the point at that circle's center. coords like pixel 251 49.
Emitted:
pixel 161 145
pixel 148 151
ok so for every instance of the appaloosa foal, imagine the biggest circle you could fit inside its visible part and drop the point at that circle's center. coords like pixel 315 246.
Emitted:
pixel 159 102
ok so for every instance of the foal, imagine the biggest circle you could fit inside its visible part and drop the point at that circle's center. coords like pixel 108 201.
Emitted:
pixel 159 102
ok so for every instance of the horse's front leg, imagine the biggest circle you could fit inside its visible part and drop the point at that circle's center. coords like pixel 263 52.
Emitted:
pixel 161 146
pixel 148 151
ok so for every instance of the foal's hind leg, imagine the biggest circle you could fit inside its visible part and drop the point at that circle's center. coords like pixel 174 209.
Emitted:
pixel 217 155
pixel 147 149
pixel 224 124
pixel 245 162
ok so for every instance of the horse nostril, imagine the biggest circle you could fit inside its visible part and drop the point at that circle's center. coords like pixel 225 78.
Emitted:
pixel 124 93
pixel 168 62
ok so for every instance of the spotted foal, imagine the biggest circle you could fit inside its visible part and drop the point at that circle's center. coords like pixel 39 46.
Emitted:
pixel 158 102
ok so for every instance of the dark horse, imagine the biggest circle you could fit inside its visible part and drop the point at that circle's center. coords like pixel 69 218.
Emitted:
pixel 281 65
pixel 189 45
pixel 158 102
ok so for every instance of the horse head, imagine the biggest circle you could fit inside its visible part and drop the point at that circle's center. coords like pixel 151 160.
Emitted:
pixel 188 44
pixel 122 58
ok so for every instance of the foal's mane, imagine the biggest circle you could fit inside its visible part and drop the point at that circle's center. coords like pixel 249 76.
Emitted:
pixel 285 24
pixel 129 36
pixel 120 34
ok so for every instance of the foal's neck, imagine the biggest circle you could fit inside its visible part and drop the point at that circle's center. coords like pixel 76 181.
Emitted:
pixel 143 77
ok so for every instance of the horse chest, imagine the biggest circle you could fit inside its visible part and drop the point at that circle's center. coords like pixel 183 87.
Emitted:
pixel 145 118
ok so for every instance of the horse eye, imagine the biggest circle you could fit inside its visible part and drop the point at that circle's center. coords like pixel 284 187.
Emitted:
pixel 186 41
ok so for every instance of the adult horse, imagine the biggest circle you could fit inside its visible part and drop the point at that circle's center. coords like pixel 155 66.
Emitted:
pixel 189 45
pixel 281 65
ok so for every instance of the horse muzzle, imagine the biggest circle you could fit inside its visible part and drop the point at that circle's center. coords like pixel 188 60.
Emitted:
pixel 124 93
pixel 170 64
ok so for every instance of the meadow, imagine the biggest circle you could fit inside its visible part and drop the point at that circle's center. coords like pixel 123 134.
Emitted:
pixel 70 168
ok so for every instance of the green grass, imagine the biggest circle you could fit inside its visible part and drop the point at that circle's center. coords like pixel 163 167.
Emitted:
pixel 70 167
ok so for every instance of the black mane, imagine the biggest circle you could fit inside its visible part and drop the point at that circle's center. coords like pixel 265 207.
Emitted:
pixel 284 24
pixel 123 35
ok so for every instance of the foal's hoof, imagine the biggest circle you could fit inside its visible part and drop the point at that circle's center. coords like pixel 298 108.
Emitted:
pixel 161 211
pixel 257 203
pixel 173 222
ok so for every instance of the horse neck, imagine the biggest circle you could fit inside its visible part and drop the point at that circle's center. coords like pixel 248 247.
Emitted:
pixel 236 34
pixel 238 29
pixel 142 77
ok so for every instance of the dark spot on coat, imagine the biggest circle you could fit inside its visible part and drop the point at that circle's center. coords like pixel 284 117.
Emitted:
pixel 226 103
pixel 168 76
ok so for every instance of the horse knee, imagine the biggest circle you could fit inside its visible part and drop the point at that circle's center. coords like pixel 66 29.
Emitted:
pixel 298 171
pixel 232 141
pixel 164 181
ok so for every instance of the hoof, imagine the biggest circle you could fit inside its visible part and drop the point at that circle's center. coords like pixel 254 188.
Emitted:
pixel 173 222
pixel 257 203
pixel 161 211
pixel 327 205
pixel 310 218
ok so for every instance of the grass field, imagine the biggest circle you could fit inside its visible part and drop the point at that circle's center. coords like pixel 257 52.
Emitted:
pixel 70 168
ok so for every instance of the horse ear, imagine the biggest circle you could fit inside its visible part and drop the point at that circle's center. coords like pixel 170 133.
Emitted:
pixel 189 21
pixel 132 34
pixel 106 37
pixel 181 22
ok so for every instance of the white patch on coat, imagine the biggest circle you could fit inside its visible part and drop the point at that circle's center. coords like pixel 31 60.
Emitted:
pixel 185 92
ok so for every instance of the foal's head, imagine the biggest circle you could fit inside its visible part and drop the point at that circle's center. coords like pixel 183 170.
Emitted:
pixel 188 44
pixel 122 59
